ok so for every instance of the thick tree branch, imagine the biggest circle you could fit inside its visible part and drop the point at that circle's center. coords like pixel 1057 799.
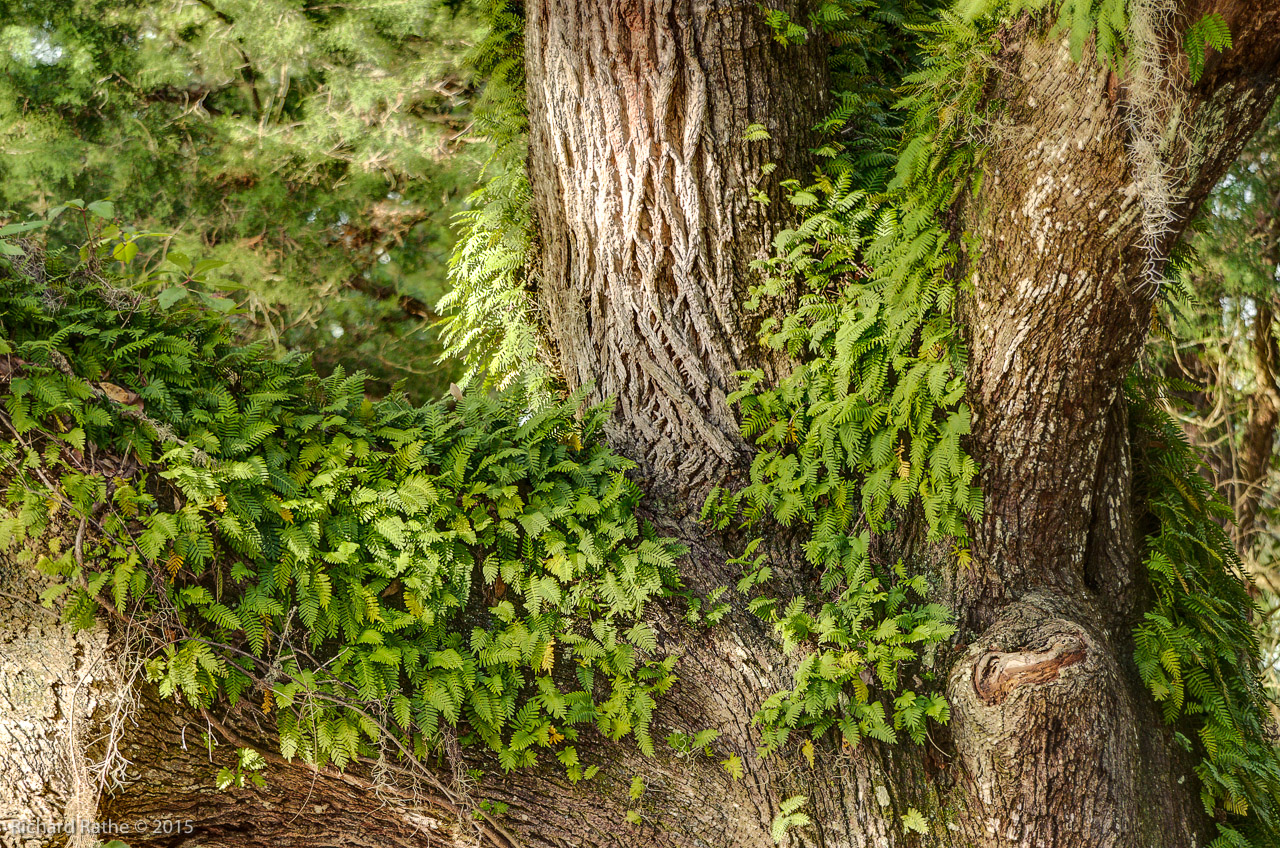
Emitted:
pixel 1087 186
pixel 1075 216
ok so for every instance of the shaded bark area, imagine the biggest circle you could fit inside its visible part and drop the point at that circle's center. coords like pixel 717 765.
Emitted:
pixel 1061 304
pixel 642 182
pixel 171 787
pixel 1055 319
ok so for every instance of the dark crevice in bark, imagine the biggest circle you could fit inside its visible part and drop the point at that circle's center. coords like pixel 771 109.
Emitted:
pixel 1112 567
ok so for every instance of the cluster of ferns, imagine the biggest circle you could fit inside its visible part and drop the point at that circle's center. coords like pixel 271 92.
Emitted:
pixel 375 573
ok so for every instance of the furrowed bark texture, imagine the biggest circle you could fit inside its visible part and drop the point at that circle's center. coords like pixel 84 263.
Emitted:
pixel 642 182
pixel 56 688
pixel 641 193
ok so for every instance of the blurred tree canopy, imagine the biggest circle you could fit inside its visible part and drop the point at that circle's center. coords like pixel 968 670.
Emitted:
pixel 1225 365
pixel 320 150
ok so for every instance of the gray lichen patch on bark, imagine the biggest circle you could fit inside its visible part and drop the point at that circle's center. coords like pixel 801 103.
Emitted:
pixel 59 691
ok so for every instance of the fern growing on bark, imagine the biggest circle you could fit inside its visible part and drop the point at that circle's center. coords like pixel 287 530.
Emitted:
pixel 363 568
pixel 874 417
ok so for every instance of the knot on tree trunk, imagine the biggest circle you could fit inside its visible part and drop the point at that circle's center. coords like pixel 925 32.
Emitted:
pixel 1043 726
pixel 997 673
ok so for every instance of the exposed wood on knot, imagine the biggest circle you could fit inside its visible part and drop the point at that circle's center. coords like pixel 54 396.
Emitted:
pixel 997 674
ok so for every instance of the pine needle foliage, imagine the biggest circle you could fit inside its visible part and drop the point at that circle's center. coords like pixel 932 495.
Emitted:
pixel 362 567
pixel 318 150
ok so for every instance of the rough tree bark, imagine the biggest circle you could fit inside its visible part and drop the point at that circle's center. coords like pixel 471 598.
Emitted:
pixel 641 183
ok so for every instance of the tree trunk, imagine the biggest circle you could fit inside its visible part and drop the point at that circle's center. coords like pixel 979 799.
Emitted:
pixel 1090 183
pixel 641 181
pixel 641 185
pixel 56 690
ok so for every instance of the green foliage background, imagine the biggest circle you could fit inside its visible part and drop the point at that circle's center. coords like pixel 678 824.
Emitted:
pixel 1217 342
pixel 320 150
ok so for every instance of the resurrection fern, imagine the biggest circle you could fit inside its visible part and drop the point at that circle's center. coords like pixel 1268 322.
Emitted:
pixel 368 569
pixel 872 417
pixel 489 319
pixel 1108 20
pixel 1196 649
pixel 1209 33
